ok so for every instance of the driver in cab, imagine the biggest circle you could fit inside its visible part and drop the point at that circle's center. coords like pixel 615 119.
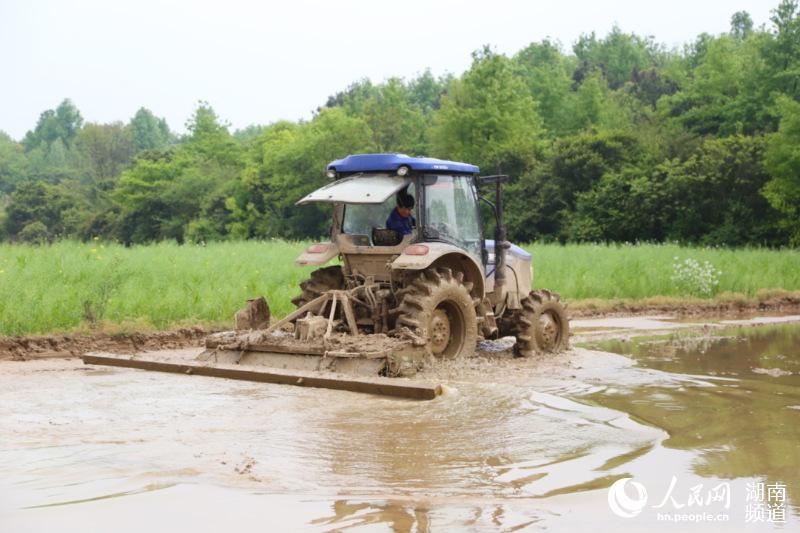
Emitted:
pixel 400 219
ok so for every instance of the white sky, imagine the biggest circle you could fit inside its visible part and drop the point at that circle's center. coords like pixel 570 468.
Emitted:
pixel 257 62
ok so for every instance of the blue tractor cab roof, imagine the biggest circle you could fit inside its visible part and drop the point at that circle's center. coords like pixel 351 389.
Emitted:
pixel 391 162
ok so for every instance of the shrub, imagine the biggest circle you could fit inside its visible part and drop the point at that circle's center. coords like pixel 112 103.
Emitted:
pixel 34 233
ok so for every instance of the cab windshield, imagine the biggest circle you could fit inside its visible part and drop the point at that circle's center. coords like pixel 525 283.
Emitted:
pixel 451 211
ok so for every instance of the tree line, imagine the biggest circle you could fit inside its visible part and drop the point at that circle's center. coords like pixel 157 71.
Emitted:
pixel 619 139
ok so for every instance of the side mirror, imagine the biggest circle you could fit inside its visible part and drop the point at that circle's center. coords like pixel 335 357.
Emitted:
pixel 429 179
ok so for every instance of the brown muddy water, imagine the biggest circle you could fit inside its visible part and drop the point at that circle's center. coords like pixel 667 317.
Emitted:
pixel 697 418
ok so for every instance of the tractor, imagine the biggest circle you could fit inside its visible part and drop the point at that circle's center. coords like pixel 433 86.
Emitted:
pixel 414 278
pixel 443 281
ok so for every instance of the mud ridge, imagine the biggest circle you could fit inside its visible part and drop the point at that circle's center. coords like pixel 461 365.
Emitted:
pixel 784 304
pixel 75 344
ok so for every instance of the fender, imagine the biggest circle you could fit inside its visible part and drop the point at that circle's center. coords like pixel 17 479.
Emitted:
pixel 445 255
pixel 317 254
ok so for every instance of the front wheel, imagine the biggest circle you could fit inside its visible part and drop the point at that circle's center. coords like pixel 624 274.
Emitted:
pixel 543 325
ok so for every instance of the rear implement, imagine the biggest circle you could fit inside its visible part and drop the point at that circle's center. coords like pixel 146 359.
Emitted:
pixel 314 356
pixel 262 374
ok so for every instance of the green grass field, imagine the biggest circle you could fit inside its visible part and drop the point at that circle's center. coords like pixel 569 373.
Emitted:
pixel 639 271
pixel 55 288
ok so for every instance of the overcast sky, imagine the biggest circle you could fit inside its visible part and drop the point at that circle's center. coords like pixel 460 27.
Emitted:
pixel 257 62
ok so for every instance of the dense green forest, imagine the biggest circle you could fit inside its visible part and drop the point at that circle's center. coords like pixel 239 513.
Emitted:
pixel 619 139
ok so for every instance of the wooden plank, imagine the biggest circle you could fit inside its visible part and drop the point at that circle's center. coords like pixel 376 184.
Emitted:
pixel 315 303
pixel 222 341
pixel 348 314
pixel 357 355
pixel 278 348
pixel 383 386
pixel 331 314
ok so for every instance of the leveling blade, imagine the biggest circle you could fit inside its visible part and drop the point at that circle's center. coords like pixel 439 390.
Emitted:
pixel 376 385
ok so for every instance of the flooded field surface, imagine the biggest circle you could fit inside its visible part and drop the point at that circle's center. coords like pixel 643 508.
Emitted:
pixel 700 419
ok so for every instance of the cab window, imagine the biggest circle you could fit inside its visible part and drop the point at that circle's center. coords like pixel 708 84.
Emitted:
pixel 451 210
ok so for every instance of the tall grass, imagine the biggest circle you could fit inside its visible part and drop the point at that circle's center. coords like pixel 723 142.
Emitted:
pixel 71 285
pixel 45 289
pixel 637 271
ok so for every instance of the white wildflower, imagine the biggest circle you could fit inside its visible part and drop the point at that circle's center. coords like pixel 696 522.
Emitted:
pixel 695 278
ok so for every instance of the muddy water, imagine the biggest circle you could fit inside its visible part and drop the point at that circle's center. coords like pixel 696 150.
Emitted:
pixel 746 424
pixel 512 444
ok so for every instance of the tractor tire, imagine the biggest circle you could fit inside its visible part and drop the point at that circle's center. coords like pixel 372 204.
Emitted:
pixel 436 304
pixel 542 324
pixel 321 281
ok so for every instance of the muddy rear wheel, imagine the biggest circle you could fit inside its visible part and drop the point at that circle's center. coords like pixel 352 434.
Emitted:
pixel 321 281
pixel 542 324
pixel 438 307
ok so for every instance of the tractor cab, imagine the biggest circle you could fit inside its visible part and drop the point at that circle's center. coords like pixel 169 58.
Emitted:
pixel 444 196
pixel 407 230
pixel 367 191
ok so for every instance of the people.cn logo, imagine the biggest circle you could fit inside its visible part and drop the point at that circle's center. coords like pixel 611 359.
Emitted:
pixel 623 505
